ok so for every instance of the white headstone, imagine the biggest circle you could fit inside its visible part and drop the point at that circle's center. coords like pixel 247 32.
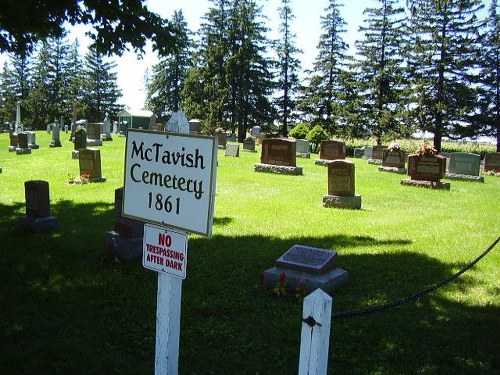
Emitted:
pixel 178 123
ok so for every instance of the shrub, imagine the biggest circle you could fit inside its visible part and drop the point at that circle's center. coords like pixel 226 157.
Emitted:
pixel 315 136
pixel 300 131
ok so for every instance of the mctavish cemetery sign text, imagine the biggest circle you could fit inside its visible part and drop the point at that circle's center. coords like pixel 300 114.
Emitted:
pixel 170 179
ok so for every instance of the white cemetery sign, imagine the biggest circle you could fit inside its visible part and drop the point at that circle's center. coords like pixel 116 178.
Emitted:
pixel 170 178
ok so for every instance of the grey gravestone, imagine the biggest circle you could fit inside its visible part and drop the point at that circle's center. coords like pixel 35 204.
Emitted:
pixel 359 152
pixel 56 136
pixel 426 171
pixel 464 166
pixel 125 241
pixel 249 144
pixel 377 155
pixel 80 141
pixel 308 267
pixel 303 148
pixel 32 140
pixel 492 162
pixel 232 150
pixel 90 164
pixel 106 129
pixel 341 186
pixel 37 217
pixel 393 160
pixel 368 151
pixel 94 134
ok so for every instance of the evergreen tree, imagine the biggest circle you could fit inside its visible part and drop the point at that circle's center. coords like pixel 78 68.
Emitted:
pixel 490 74
pixel 288 65
pixel 205 88
pixel 380 72
pixel 15 81
pixel 163 91
pixel 442 57
pixel 100 87
pixel 324 96
pixel 75 81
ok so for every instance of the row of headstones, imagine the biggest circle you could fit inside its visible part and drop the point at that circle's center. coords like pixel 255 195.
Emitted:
pixel 22 143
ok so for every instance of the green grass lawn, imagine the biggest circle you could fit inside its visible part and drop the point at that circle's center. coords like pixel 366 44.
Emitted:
pixel 68 307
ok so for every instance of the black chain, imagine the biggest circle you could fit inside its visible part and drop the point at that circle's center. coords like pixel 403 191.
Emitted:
pixel 413 297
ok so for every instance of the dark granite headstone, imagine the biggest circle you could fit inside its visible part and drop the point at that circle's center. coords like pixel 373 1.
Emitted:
pixel 124 226
pixel 80 138
pixel 195 126
pixel 13 141
pixel 341 178
pixel 277 151
pixel 23 144
pixel 232 150
pixel 427 168
pixel 94 134
pixel 37 198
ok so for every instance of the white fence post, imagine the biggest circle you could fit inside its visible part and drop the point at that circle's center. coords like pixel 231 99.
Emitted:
pixel 315 336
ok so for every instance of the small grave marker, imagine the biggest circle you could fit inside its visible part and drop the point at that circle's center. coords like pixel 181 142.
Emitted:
pixel 90 164
pixel 233 150
pixel 341 186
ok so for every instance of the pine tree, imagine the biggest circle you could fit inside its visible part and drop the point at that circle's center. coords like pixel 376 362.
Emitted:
pixel 163 91
pixel 380 72
pixel 15 82
pixel 100 88
pixel 288 66
pixel 323 98
pixel 490 76
pixel 442 57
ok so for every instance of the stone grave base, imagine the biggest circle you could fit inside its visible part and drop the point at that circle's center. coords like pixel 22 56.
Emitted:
pixel 94 142
pixel 303 155
pixel 337 201
pixel 280 169
pixel 105 138
pixel 98 179
pixel 75 154
pixel 375 161
pixel 465 177
pixel 392 169
pixel 427 184
pixel 12 148
pixel 34 146
pixel 22 151
pixel 126 249
pixel 221 147
pixel 38 224
pixel 55 144
pixel 328 281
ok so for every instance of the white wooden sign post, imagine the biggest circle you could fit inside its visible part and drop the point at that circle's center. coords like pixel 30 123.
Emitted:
pixel 170 182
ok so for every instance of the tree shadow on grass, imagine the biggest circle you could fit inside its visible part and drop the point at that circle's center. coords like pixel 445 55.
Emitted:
pixel 66 306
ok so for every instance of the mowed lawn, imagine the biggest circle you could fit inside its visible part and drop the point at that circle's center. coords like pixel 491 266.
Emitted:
pixel 68 307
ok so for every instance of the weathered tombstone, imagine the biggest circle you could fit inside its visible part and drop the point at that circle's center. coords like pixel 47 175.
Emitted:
pixel 19 128
pixel 90 164
pixel 13 141
pixel 332 150
pixel 56 136
pixel 249 144
pixel 308 268
pixel 157 127
pixel 37 218
pixel 221 139
pixel 94 134
pixel 377 155
pixel 359 152
pixel 393 160
pixel 302 148
pixel 426 170
pixel 341 186
pixel 255 131
pixel 125 240
pixel 232 150
pixel 80 141
pixel 23 144
pixel 195 126
pixel 464 166
pixel 367 152
pixel 32 140
pixel 106 129
pixel 492 162
pixel 278 156
pixel 115 127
